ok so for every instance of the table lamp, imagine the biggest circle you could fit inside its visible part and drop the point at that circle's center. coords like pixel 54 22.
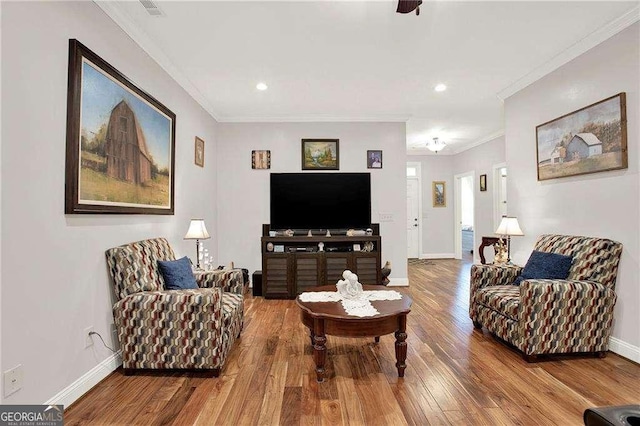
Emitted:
pixel 508 227
pixel 197 231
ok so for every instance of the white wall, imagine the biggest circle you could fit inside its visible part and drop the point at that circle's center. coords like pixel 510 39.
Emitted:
pixel 481 160
pixel 54 275
pixel 244 193
pixel 437 222
pixel 603 204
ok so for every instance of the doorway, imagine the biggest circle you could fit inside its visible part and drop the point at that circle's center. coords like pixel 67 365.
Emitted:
pixel 414 207
pixel 499 193
pixel 464 216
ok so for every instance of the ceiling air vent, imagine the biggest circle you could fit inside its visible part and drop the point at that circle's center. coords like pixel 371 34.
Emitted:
pixel 152 8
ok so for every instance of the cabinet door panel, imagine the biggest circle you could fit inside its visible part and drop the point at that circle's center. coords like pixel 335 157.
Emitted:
pixel 275 276
pixel 336 264
pixel 368 269
pixel 307 272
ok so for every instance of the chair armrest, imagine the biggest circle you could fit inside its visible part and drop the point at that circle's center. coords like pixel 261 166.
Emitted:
pixel 228 280
pixel 560 314
pixel 486 275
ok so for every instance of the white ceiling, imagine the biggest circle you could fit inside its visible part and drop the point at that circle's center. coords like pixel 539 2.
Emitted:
pixel 361 61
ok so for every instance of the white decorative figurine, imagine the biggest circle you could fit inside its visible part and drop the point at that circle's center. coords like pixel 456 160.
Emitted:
pixel 349 287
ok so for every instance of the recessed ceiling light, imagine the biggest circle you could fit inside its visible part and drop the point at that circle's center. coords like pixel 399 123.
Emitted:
pixel 262 86
pixel 440 87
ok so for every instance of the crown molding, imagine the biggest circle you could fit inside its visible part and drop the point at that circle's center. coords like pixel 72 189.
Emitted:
pixel 481 141
pixel 575 50
pixel 117 15
pixel 316 119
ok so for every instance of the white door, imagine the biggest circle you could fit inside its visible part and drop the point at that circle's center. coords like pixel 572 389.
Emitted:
pixel 499 193
pixel 464 201
pixel 413 225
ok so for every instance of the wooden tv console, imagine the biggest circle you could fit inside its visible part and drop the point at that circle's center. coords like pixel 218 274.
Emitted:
pixel 295 264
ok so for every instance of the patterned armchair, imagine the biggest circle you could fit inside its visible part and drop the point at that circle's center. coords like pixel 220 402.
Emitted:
pixel 551 316
pixel 177 329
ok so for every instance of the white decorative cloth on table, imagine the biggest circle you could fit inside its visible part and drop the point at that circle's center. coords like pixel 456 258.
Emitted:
pixel 360 307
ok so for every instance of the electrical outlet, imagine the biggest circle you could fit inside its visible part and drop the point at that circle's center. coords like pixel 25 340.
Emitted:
pixel 88 339
pixel 385 217
pixel 13 380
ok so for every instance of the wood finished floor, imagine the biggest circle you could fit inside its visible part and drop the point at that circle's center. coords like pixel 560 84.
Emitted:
pixel 454 375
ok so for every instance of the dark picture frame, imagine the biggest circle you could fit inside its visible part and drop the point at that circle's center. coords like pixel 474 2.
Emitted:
pixel 199 152
pixel 589 140
pixel 260 159
pixel 374 159
pixel 320 154
pixel 120 151
pixel 483 183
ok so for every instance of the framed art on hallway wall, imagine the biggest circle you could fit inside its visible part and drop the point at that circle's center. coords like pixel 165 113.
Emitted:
pixel 439 194
pixel 120 142
pixel 483 183
pixel 199 152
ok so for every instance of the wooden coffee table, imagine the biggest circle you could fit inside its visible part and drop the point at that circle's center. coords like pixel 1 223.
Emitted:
pixel 330 318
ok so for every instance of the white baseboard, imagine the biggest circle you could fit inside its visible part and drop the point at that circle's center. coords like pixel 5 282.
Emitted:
pixel 84 384
pixel 437 256
pixel 624 349
pixel 398 282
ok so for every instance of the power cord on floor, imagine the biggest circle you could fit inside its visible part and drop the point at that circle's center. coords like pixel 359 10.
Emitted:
pixel 91 333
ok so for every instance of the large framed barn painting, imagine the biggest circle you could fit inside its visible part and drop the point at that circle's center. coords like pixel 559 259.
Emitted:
pixel 120 142
pixel 589 140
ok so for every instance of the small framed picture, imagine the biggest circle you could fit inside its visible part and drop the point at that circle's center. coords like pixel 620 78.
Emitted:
pixel 320 154
pixel 483 182
pixel 261 159
pixel 439 194
pixel 374 159
pixel 356 247
pixel 199 152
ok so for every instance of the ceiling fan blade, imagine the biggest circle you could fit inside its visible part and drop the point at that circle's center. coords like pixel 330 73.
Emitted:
pixel 408 6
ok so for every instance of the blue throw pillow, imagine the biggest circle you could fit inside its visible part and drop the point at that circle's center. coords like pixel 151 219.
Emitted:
pixel 177 274
pixel 542 265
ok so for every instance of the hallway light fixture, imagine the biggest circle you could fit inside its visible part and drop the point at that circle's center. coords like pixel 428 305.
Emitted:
pixel 509 226
pixel 436 145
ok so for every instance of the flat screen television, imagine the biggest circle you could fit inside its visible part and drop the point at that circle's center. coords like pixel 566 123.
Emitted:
pixel 320 200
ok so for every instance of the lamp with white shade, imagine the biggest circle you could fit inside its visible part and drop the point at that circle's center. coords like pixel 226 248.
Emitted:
pixel 197 231
pixel 509 226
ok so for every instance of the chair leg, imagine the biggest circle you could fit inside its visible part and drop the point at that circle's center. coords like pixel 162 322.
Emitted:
pixel 530 358
pixel 128 371
pixel 477 325
pixel 601 354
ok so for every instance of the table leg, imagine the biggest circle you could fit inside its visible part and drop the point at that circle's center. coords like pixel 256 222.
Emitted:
pixel 377 339
pixel 311 330
pixel 401 345
pixel 319 348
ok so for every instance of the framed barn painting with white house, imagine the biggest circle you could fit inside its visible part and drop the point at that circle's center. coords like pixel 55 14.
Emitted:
pixel 589 140
pixel 120 142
